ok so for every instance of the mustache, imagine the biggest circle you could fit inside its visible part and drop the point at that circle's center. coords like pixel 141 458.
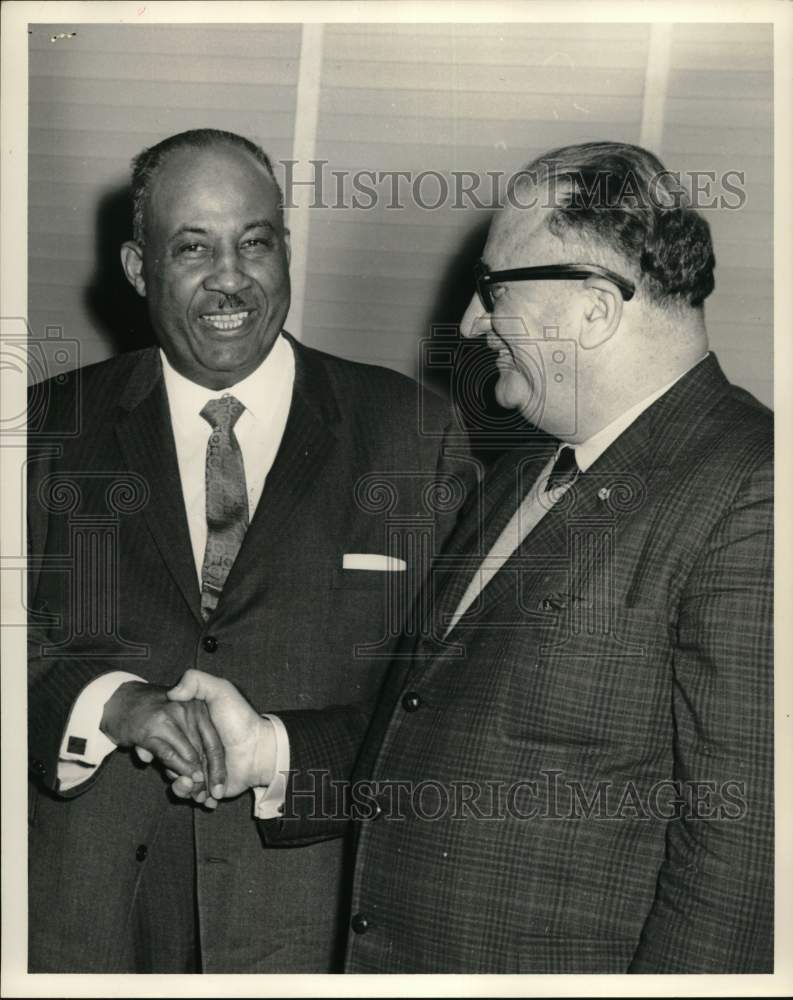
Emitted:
pixel 231 301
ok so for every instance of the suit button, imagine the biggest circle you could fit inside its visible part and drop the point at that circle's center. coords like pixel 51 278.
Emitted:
pixel 411 701
pixel 141 852
pixel 360 923
pixel 210 643
pixel 38 767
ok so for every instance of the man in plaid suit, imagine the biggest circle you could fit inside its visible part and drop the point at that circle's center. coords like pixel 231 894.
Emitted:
pixel 571 769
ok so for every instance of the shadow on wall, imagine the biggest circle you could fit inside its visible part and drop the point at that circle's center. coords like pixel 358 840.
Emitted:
pixel 454 294
pixel 464 371
pixel 117 311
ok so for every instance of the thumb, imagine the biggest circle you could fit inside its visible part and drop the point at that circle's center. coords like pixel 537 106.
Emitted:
pixel 199 685
pixel 191 685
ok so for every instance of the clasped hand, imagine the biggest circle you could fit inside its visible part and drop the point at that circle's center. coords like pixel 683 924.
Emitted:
pixel 210 740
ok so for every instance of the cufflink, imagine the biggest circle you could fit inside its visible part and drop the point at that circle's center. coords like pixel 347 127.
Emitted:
pixel 76 745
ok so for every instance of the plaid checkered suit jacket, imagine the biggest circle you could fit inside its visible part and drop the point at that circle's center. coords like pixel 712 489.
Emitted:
pixel 579 779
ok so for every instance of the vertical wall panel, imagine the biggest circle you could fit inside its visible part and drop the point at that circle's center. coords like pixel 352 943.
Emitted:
pixel 437 99
pixel 719 118
pixel 444 99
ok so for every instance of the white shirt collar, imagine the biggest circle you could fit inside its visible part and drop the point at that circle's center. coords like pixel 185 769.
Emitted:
pixel 587 453
pixel 258 392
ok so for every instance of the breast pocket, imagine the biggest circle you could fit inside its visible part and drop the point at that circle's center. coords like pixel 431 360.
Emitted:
pixel 367 579
pixel 367 611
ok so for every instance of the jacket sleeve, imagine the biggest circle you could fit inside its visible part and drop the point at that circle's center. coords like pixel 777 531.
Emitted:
pixel 323 747
pixel 54 684
pixel 713 908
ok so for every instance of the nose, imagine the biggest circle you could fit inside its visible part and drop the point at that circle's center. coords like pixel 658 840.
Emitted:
pixel 227 275
pixel 476 320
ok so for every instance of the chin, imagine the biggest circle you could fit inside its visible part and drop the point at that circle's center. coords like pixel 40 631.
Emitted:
pixel 512 392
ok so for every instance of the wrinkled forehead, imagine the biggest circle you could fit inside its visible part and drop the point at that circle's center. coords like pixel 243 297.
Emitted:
pixel 216 178
pixel 519 234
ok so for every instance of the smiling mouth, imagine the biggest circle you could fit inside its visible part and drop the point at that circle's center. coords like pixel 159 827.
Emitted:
pixel 227 323
pixel 502 352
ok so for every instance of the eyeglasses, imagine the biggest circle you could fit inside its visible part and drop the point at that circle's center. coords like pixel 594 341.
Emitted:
pixel 485 278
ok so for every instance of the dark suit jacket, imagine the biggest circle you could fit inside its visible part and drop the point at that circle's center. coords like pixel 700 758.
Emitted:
pixel 113 586
pixel 623 655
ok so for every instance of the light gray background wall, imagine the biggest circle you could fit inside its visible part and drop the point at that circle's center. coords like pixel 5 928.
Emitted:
pixel 369 284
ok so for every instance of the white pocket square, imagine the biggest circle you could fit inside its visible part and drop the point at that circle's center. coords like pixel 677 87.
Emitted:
pixel 371 560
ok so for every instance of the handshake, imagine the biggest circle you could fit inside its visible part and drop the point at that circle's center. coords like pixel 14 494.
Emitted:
pixel 207 736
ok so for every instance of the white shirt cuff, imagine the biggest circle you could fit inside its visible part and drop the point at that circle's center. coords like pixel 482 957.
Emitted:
pixel 84 745
pixel 268 803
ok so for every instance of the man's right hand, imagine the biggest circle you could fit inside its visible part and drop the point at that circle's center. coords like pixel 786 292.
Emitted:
pixel 248 739
pixel 181 736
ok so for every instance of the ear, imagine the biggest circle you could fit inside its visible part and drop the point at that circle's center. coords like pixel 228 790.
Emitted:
pixel 602 312
pixel 132 262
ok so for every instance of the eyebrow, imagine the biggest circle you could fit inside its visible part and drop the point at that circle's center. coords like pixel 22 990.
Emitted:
pixel 260 224
pixel 200 231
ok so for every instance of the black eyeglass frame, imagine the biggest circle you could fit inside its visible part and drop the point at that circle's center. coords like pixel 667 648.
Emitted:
pixel 549 272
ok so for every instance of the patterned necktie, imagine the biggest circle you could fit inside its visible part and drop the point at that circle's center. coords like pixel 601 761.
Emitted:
pixel 565 470
pixel 227 499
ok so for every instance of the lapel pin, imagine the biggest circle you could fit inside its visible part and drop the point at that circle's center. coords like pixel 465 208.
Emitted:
pixel 604 493
pixel 553 602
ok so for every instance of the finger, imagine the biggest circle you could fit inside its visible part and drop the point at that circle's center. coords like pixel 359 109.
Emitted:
pixel 182 788
pixel 190 713
pixel 185 741
pixel 171 774
pixel 174 751
pixel 144 755
pixel 211 803
pixel 213 751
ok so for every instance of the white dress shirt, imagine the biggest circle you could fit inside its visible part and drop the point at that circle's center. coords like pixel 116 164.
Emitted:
pixel 266 395
pixel 539 500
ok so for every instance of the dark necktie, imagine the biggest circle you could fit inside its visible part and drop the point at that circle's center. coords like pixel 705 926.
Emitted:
pixel 565 469
pixel 227 499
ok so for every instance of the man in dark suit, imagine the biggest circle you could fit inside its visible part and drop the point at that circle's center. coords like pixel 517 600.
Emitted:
pixel 155 542
pixel 573 771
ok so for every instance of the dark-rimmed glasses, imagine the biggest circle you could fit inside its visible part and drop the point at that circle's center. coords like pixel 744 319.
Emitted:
pixel 485 278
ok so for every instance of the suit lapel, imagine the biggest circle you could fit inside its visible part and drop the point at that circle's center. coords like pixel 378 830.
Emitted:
pixel 145 437
pixel 144 434
pixel 619 485
pixel 496 502
pixel 306 446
